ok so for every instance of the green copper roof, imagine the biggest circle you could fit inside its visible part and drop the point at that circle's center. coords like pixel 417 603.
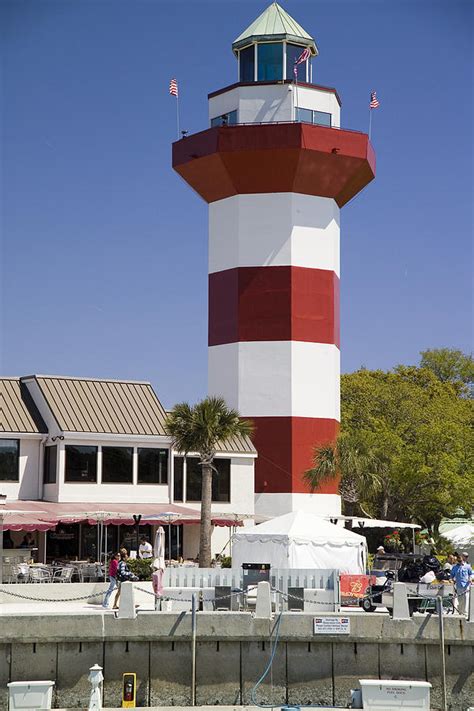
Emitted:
pixel 275 24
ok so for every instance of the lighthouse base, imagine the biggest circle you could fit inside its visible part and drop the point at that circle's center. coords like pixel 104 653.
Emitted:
pixel 272 505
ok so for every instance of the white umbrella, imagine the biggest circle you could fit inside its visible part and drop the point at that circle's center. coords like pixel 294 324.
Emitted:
pixel 159 548
pixel 462 535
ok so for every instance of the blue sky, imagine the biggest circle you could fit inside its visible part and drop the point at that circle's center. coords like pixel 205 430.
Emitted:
pixel 104 248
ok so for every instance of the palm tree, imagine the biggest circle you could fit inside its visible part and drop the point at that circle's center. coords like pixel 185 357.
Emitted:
pixel 201 428
pixel 346 458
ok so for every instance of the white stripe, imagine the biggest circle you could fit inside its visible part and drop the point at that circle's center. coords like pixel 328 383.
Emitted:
pixel 274 229
pixel 277 378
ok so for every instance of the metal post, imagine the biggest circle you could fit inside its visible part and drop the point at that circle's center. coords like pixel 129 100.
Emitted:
pixel 193 650
pixel 439 605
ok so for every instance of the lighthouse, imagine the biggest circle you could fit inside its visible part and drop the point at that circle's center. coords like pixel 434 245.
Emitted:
pixel 275 168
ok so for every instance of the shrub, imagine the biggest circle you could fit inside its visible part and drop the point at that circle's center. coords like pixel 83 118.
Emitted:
pixel 141 567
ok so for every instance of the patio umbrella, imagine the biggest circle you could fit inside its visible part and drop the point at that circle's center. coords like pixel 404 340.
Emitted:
pixel 170 517
pixel 159 548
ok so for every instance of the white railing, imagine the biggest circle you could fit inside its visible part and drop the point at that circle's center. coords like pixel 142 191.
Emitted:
pixel 280 578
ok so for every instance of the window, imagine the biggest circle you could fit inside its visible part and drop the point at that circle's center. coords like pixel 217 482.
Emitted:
pixel 320 118
pixel 270 61
pixel 81 464
pixel 152 466
pixel 117 465
pixel 9 459
pixel 178 488
pixel 220 480
pixel 304 115
pixel 247 64
pixel 293 52
pixel 225 120
pixel 49 464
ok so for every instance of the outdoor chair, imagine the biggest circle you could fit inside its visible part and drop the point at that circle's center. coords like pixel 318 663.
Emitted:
pixel 39 575
pixel 19 573
pixel 88 573
pixel 63 575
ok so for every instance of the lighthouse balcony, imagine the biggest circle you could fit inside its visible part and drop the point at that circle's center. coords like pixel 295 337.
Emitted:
pixel 275 157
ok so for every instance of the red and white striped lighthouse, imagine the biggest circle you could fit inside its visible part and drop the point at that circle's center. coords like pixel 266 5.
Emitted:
pixel 275 168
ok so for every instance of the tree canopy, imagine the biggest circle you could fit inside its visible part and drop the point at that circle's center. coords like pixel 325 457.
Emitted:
pixel 406 448
pixel 201 428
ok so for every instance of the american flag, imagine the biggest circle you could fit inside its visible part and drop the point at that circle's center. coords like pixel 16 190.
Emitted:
pixel 174 88
pixel 305 54
pixel 374 102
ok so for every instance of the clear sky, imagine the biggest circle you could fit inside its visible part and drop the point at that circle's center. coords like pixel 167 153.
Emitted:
pixel 104 248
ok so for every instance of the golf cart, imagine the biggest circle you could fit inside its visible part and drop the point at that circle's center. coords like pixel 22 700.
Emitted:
pixel 398 567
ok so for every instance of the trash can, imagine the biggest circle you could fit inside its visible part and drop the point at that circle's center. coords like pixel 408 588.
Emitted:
pixel 30 695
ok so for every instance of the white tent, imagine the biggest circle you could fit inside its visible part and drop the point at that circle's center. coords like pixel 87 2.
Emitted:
pixel 300 540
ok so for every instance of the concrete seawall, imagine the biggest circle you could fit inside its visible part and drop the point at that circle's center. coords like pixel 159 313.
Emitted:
pixel 232 652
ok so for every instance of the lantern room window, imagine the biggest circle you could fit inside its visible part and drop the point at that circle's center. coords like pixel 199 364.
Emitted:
pixel 247 64
pixel 270 61
pixel 293 52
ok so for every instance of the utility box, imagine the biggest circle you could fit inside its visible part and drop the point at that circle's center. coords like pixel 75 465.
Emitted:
pixel 255 573
pixel 387 695
pixel 30 695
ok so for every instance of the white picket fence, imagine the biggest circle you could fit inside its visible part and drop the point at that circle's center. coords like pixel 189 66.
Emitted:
pixel 280 578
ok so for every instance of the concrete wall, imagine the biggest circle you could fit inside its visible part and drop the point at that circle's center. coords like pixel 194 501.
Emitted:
pixel 232 651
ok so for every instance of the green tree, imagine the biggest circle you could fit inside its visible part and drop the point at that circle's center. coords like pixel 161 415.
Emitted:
pixel 200 429
pixel 450 366
pixel 406 447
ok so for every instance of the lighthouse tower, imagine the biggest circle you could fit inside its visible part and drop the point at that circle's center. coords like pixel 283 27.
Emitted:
pixel 275 168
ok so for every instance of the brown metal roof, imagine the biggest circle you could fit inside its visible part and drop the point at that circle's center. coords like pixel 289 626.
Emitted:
pixel 237 445
pixel 103 406
pixel 18 412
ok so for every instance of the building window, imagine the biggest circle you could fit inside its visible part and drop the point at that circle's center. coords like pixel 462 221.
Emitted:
pixel 247 64
pixel 81 463
pixel 220 480
pixel 117 465
pixel 270 61
pixel 293 51
pixel 320 118
pixel 227 119
pixel 178 477
pixel 9 459
pixel 49 464
pixel 152 466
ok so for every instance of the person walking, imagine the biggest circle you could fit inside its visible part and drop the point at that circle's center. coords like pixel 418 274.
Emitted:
pixel 113 566
pixel 461 574
pixel 123 574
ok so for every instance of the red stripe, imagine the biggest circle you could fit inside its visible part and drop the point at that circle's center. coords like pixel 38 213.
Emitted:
pixel 285 448
pixel 274 304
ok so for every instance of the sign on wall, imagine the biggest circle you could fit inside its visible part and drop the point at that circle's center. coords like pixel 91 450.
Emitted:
pixel 332 625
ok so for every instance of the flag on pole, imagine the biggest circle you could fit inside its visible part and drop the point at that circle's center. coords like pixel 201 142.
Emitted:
pixel 174 88
pixel 374 102
pixel 305 54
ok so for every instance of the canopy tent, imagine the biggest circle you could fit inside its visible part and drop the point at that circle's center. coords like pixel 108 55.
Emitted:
pixel 300 540
pixel 462 537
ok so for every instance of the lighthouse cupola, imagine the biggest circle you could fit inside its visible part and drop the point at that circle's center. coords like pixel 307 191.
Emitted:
pixel 269 49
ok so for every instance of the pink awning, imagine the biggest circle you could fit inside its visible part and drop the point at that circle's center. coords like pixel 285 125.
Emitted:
pixel 45 515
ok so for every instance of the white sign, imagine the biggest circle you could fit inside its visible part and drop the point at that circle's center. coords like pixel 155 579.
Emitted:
pixel 332 625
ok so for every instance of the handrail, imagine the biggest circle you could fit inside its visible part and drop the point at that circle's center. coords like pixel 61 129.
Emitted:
pixel 269 123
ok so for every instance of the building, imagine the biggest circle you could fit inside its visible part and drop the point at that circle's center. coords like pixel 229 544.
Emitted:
pixel 275 168
pixel 72 449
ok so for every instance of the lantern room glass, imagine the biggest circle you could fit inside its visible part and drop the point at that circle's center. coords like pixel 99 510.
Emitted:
pixel 270 61
pixel 293 52
pixel 247 64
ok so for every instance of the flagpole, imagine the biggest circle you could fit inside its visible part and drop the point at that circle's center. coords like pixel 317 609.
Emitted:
pixel 370 122
pixel 177 114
